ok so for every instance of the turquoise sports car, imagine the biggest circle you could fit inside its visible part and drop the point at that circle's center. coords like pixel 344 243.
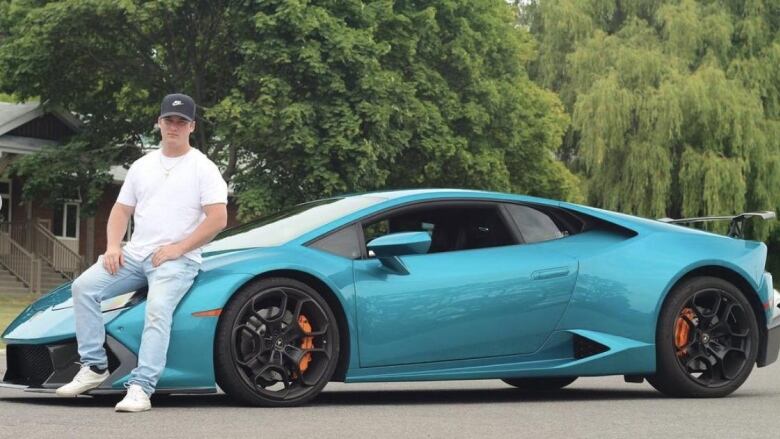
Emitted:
pixel 438 285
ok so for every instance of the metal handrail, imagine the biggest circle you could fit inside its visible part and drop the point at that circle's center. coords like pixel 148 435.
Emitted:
pixel 55 253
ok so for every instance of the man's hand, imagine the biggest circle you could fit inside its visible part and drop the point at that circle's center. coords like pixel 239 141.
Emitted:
pixel 166 253
pixel 113 259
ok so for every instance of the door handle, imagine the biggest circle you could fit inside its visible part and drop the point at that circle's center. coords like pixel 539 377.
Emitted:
pixel 550 273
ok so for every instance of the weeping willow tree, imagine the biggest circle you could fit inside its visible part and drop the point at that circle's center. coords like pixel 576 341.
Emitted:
pixel 675 104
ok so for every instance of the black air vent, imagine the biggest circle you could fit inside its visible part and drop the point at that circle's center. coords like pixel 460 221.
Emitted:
pixel 47 366
pixel 585 347
pixel 28 364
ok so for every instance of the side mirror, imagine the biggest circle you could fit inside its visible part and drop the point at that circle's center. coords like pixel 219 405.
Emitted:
pixel 388 248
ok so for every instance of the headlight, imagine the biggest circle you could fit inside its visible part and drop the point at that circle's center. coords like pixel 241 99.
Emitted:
pixel 122 301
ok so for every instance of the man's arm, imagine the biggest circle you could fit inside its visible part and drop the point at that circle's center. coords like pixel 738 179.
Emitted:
pixel 115 230
pixel 216 220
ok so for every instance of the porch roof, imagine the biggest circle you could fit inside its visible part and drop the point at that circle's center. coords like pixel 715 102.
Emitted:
pixel 14 115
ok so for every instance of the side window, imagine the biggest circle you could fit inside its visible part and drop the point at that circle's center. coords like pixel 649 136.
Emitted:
pixel 376 229
pixel 451 228
pixel 535 225
pixel 342 243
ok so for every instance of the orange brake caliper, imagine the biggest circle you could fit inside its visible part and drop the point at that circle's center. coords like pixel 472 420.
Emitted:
pixel 307 343
pixel 682 331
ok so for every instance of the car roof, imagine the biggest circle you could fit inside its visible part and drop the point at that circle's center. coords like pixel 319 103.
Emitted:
pixel 433 193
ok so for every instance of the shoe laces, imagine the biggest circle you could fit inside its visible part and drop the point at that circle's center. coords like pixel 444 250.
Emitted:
pixel 136 393
pixel 82 372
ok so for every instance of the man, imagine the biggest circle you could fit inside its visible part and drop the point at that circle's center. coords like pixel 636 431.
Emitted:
pixel 178 199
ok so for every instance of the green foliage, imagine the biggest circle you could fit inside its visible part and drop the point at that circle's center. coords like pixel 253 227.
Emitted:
pixel 111 63
pixel 52 176
pixel 675 104
pixel 349 96
pixel 302 99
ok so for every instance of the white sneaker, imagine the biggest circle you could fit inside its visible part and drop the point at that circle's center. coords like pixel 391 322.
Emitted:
pixel 136 400
pixel 84 380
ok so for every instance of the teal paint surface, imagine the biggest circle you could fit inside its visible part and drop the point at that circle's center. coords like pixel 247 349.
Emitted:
pixel 489 313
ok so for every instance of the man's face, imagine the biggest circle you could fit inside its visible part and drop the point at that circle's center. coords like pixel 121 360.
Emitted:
pixel 175 129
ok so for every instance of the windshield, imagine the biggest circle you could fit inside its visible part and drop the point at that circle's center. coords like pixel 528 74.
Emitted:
pixel 286 225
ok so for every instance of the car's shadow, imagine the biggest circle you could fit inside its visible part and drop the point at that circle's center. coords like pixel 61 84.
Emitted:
pixel 477 396
pixel 371 397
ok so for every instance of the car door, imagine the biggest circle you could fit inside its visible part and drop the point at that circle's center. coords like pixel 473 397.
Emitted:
pixel 478 292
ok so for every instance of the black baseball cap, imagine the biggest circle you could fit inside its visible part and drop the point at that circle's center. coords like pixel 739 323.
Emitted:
pixel 178 104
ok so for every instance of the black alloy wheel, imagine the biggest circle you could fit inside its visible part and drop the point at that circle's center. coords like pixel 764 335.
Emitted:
pixel 277 343
pixel 707 340
pixel 540 384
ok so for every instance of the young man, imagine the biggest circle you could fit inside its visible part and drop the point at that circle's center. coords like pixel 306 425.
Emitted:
pixel 178 199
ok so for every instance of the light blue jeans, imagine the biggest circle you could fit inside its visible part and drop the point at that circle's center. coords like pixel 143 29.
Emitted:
pixel 167 285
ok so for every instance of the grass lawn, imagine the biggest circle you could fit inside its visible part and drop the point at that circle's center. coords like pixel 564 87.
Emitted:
pixel 10 307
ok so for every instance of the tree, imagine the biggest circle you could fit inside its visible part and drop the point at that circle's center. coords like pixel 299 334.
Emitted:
pixel 110 62
pixel 675 104
pixel 346 96
pixel 299 99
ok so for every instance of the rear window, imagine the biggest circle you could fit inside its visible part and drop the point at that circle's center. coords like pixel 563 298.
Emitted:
pixel 535 225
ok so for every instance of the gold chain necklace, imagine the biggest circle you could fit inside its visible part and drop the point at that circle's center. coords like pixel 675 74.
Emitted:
pixel 168 170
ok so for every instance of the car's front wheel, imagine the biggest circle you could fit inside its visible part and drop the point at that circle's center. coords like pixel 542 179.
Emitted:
pixel 276 344
pixel 706 341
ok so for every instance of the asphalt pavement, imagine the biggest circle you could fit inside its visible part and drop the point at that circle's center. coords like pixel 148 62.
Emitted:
pixel 590 408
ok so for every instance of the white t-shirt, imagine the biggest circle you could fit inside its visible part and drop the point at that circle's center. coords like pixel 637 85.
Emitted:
pixel 168 208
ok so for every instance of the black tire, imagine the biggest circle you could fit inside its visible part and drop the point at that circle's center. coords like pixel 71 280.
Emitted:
pixel 706 341
pixel 540 384
pixel 259 352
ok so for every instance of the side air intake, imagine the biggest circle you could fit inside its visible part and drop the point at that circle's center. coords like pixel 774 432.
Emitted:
pixel 585 347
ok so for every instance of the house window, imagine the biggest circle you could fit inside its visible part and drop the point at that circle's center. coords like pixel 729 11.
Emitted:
pixel 5 194
pixel 66 221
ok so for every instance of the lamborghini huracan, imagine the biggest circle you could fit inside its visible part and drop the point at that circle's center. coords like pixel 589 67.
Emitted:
pixel 438 284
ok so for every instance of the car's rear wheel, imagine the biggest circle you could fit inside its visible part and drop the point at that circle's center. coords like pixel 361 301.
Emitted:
pixel 540 384
pixel 277 343
pixel 707 340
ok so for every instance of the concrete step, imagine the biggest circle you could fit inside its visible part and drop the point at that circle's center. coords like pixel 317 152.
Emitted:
pixel 52 278
pixel 10 283
pixel 4 290
pixel 50 273
pixel 9 280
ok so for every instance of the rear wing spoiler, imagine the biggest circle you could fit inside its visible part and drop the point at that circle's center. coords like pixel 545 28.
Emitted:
pixel 736 228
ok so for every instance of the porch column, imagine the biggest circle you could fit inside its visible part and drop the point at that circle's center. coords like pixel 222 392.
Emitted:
pixel 29 229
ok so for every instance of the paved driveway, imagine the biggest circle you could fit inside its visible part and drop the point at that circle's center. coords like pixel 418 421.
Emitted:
pixel 590 408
